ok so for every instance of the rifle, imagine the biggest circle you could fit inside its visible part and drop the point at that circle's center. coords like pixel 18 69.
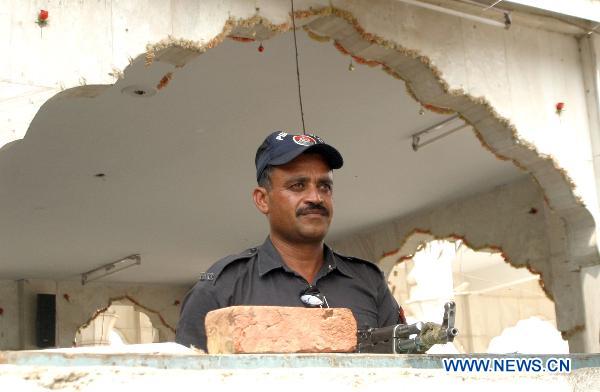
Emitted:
pixel 408 338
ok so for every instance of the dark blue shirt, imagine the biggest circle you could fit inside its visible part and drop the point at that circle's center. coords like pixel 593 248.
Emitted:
pixel 259 276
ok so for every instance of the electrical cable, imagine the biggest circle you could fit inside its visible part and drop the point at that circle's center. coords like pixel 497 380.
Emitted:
pixel 298 69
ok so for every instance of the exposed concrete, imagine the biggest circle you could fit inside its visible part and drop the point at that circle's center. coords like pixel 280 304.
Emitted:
pixel 157 301
pixel 40 378
pixel 40 371
pixel 130 324
pixel 589 48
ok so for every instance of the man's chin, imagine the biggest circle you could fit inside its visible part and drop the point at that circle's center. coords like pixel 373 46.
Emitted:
pixel 314 234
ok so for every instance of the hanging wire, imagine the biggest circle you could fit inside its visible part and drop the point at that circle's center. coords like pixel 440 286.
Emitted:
pixel 298 69
pixel 493 5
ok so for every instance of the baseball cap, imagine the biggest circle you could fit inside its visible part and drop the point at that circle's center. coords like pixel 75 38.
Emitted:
pixel 281 147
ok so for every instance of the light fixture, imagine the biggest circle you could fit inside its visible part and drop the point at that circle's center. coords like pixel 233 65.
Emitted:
pixel 439 127
pixel 111 268
pixel 433 7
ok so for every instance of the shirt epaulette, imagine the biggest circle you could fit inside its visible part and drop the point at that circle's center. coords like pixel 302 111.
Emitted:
pixel 359 260
pixel 220 265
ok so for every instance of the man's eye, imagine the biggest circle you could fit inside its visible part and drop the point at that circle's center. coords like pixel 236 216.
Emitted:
pixel 297 186
pixel 326 187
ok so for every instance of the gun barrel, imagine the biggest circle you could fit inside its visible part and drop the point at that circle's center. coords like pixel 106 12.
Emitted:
pixel 452 332
pixel 394 331
pixel 406 346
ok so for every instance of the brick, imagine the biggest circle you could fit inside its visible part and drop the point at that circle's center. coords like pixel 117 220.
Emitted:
pixel 275 329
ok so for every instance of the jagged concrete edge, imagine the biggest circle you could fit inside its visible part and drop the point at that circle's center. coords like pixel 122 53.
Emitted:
pixel 408 252
pixel 544 169
pixel 151 313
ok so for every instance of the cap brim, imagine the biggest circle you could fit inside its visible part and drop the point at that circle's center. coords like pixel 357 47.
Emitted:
pixel 332 156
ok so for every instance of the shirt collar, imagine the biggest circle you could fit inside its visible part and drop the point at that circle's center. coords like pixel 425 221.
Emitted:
pixel 270 259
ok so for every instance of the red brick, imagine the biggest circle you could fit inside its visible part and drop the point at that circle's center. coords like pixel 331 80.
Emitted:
pixel 275 329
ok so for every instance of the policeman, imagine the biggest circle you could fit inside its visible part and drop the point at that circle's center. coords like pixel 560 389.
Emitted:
pixel 293 267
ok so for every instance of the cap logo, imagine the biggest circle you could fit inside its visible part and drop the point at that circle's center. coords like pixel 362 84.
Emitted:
pixel 304 140
pixel 281 135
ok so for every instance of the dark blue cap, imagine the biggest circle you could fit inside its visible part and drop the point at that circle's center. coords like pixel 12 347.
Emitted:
pixel 280 148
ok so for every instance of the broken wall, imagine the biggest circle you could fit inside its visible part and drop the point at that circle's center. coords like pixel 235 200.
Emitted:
pixel 501 218
pixel 512 218
pixel 77 304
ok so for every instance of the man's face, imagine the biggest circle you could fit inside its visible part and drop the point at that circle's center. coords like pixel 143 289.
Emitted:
pixel 299 203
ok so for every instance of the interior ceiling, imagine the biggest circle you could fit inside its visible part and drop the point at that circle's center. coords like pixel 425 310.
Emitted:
pixel 179 166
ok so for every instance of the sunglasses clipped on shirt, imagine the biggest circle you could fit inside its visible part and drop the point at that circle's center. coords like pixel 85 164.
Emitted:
pixel 311 297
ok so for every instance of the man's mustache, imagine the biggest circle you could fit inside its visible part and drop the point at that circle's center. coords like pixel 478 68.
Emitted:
pixel 313 209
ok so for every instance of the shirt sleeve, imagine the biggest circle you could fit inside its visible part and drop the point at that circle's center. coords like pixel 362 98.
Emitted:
pixel 200 300
pixel 388 310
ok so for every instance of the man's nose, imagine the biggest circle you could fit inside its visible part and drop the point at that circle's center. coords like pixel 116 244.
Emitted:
pixel 314 195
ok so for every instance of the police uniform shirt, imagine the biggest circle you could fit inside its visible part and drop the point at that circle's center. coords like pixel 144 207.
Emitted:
pixel 259 276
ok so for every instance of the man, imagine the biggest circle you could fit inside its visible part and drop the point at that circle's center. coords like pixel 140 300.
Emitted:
pixel 293 267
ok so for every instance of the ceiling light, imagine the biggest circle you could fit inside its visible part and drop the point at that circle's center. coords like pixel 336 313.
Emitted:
pixel 427 132
pixel 111 268
pixel 491 22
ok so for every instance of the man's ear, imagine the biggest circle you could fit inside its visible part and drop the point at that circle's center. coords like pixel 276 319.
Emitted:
pixel 260 196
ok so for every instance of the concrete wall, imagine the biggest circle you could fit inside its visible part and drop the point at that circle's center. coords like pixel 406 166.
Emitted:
pixel 522 72
pixel 591 295
pixel 77 304
pixel 9 319
pixel 68 372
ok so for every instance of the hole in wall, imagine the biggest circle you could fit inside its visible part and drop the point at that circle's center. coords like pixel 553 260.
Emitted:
pixel 119 324
pixel 498 305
